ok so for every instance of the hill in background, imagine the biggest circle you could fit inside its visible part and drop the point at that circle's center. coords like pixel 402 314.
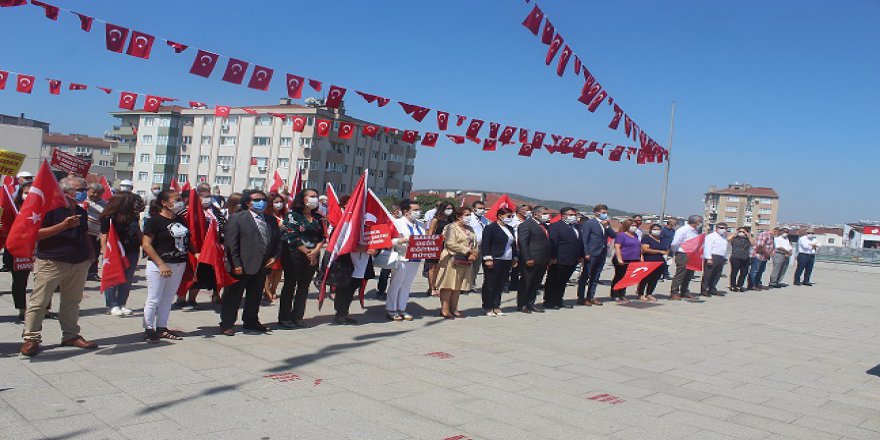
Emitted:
pixel 555 205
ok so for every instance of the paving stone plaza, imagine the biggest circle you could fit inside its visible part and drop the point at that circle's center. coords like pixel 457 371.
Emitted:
pixel 793 363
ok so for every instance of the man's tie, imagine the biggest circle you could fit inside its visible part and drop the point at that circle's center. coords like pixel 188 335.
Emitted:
pixel 264 230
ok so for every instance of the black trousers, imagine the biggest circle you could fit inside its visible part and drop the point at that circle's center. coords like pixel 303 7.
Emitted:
pixel 619 272
pixel 298 274
pixel 589 279
pixel 249 286
pixel 557 279
pixel 739 268
pixel 20 280
pixel 515 275
pixel 647 285
pixel 528 285
pixel 804 267
pixel 493 283
pixel 384 274
pixel 344 296
pixel 711 274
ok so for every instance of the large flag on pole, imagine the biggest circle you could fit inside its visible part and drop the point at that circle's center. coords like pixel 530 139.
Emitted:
pixel 502 202
pixel 334 211
pixel 349 233
pixel 214 255
pixel 113 261
pixel 44 196
pixel 295 186
pixel 277 183
pixel 8 215
pixel 694 249
pixel 108 192
pixel 379 226
pixel 636 272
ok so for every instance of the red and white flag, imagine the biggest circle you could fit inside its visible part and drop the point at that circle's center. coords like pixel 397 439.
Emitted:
pixel 693 247
pixel 299 123
pixel 577 65
pixel 9 212
pixel 297 185
pixel 152 103
pixel 615 121
pixel 76 86
pixel 346 130
pixel 554 48
pixel 316 85
pixel 44 196
pixel 349 233
pixel 382 102
pixel 260 78
pixel 526 150
pixel 459 119
pixel 563 60
pixel 113 261
pixel 322 127
pixel 174 185
pixel 370 130
pixel 455 138
pixel 127 100
pixel 108 192
pixel 409 136
pixel 222 110
pixel 51 10
pixel 277 183
pixel 235 71
pixel 474 128
pixel 493 129
pixel 533 20
pixel 294 86
pixel 24 84
pixel 197 105
pixel 334 97
pixel 178 47
pixel 502 202
pixel 115 37
pixel 430 139
pixel 204 63
pixel 214 255
pixel 523 135
pixel 538 140
pixel 54 87
pixel 85 22
pixel 4 75
pixel 334 211
pixel 548 33
pixel 598 100
pixel 490 144
pixel 442 120
pixel 636 272
pixel 140 45
pixel 507 135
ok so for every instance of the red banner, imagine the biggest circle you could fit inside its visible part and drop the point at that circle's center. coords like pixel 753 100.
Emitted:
pixel 69 163
pixel 424 247
pixel 636 272
pixel 379 236
pixel 23 263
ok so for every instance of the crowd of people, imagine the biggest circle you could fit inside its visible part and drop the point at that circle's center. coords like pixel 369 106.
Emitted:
pixel 276 240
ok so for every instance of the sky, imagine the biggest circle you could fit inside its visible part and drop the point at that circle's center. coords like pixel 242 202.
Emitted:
pixel 781 94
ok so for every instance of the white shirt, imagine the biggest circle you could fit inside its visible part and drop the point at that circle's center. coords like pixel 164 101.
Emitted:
pixel 478 223
pixel 639 233
pixel 781 242
pixel 682 235
pixel 508 248
pixel 429 215
pixel 715 244
pixel 407 229
pixel 805 245
pixel 359 260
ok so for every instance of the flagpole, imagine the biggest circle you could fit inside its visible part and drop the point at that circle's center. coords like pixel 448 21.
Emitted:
pixel 668 156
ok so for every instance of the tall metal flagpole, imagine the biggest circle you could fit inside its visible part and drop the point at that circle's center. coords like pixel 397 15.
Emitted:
pixel 666 176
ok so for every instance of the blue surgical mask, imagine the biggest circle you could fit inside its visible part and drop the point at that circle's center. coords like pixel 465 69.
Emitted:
pixel 603 216
pixel 81 196
pixel 259 206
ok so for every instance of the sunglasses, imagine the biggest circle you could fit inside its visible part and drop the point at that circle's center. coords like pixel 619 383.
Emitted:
pixel 258 200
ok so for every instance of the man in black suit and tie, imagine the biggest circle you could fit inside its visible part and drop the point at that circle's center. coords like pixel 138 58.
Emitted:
pixel 253 242
pixel 595 233
pixel 567 251
pixel 534 257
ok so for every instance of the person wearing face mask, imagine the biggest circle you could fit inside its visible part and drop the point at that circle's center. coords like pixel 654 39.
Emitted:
pixel 122 212
pixel 761 253
pixel 682 278
pixel 666 235
pixel 499 255
pixel 278 210
pixel 401 279
pixel 62 258
pixel 595 234
pixel 534 255
pixel 204 276
pixel 303 235
pixel 808 245
pixel 567 251
pixel 781 258
pixel 459 252
pixel 438 224
pixel 126 185
pixel 166 241
pixel 322 205
pixel 478 223
pixel 637 221
pixel 94 204
pixel 714 258
pixel 655 249
pixel 523 212
pixel 627 249
pixel 741 244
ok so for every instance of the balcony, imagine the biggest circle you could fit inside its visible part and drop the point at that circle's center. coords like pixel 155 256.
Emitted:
pixel 121 130
pixel 123 166
pixel 123 148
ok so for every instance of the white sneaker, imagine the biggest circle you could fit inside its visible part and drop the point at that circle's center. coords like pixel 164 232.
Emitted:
pixel 500 314
pixel 491 313
pixel 125 311
pixel 116 311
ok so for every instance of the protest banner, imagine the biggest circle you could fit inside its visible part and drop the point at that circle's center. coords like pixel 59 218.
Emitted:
pixel 424 247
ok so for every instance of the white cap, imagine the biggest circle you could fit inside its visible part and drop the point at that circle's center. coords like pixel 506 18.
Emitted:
pixel 24 174
pixel 126 182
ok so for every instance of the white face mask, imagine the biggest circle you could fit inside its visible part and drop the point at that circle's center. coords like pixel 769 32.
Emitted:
pixel 206 202
pixel 811 236
pixel 571 219
pixel 528 214
pixel 278 206
pixel 178 206
pixel 655 232
pixel 415 214
pixel 479 212
pixel 545 218
pixel 24 196
pixel 448 212
pixel 633 229
pixel 156 192
pixel 722 231
pixel 312 202
pixel 507 220
pixel 740 234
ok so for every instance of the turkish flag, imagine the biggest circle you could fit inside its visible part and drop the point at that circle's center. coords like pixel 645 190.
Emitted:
pixel 489 144
pixel 636 272
pixel 115 37
pixel 565 145
pixel 589 92
pixel 4 75
pixel 186 187
pixel 204 63
pixel 281 116
pixel 140 45
pixel 616 154
pixel 563 60
pixel 526 150
pixel 579 151
pixel 554 47
pixel 641 157
pixel 299 123
pixel 474 128
pixel 260 78
pixel 315 85
pixel 871 230
pixel 51 10
pixel 430 139
pixel 235 71
pixel 174 185
pixel 294 86
pixel 334 96
pixel 538 140
pixel 367 97
pixel 297 185
pixel 113 261
pixel 346 130
pixel 105 90
pixel 152 103
pixel 419 113
pixel 197 105
pixel 460 120
pixel 493 129
pixel 502 202
pixel 108 192
pixel 549 31
pixel 195 217
pixel 9 213
pixel 382 102
pixel 75 86
pixel 322 127
pixel 277 183
pixel 456 138
pixel 442 120
pixel 44 196
pixel 523 135
pixel 127 100
pixel 615 121
pixel 475 140
pixel 599 99
pixel 507 135
pixel 693 247
pixel 178 47
pixel 214 255
pixel 410 136
pixel 25 83
pixel 349 232
pixel 370 130
pixel 577 65
pixel 221 110
pixel 378 223
pixel 54 87
pixel 250 111
pixel 533 20
pixel 85 22
pixel 627 124
pixel 334 211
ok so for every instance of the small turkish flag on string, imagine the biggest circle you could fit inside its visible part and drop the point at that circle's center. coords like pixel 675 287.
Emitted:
pixel 489 144
pixel 277 183
pixel 76 86
pixel 127 100
pixel 299 123
pixel 235 71
pixel 367 97
pixel 334 96
pixel 370 130
pixel 475 140
pixel 507 135
pixel 346 130
pixel 493 129
pixel 533 20
pixel 563 60
pixel 641 157
pixel 197 105
pixel 45 196
pixel 456 138
pixel 25 83
pixel 4 75
pixel 599 99
pixel 442 120
pixel 565 145
pixel 430 139
pixel 474 128
pixel 105 90
pixel 636 272
pixel 627 124
pixel 260 78
pixel 407 108
pixel 204 63
pixel 322 127
pixel 294 86
pixel 589 93
pixel 140 45
pixel 51 11
pixel 409 136
pixel 152 103
pixel 549 32
pixel 615 121
pixel 525 150
pixel 577 65
pixel 115 37
pixel 538 140
pixel 250 111
pixel 616 154
pixel 460 120
pixel 85 22
pixel 178 47
pixel 579 151
pixel 113 261
pixel 54 87
pixel 315 85
pixel 523 135
pixel 554 47
pixel 382 102
pixel 419 113
pixel 221 110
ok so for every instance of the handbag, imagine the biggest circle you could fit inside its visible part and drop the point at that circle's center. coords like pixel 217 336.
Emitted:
pixel 387 259
pixel 461 260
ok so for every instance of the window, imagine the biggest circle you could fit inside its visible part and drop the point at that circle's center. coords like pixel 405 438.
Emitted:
pixel 223 180
pixel 766 211
pixel 763 221
pixel 159 178
pixel 164 122
pixel 360 152
pixel 143 177
pixel 162 139
pixel 147 139
pixel 160 159
pixel 730 209
pixel 310 121
pixel 305 142
pixel 104 163
pixel 381 173
pixel 336 125
pixel 283 162
pixel 209 120
pixel 732 199
pixel 262 141
pixel 149 121
pixel 374 154
pixel 229 120
pixel 410 161
pixel 261 162
pixel 286 142
pixel 145 158
pixel 765 201
pixel 206 140
pixel 358 170
pixel 730 219
pixel 224 160
pixel 181 178
pixel 384 156
pixel 227 141
pixel 83 150
pixel 264 120
pixel 184 159
pixel 256 182
pixel 204 159
pixel 830 241
pixel 201 178
pixel 287 121
pixel 187 140
pixel 105 151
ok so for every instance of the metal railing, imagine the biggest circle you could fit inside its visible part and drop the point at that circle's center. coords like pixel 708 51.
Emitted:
pixel 848 255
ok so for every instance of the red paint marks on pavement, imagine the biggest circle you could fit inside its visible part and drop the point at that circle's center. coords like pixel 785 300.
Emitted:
pixel 458 437
pixel 318 382
pixel 607 398
pixel 283 377
pixel 440 355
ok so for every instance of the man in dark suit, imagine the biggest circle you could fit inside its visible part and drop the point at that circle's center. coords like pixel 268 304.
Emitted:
pixel 567 251
pixel 253 242
pixel 534 257
pixel 595 233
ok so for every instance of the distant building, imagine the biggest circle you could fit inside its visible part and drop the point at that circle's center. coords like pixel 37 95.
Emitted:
pixel 827 236
pixel 93 149
pixel 23 135
pixel 862 235
pixel 741 205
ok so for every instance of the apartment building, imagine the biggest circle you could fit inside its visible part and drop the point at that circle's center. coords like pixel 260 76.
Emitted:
pixel 23 135
pixel 244 150
pixel 93 149
pixel 742 205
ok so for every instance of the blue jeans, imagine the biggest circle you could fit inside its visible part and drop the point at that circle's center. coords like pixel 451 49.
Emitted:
pixel 804 267
pixel 116 296
pixel 756 272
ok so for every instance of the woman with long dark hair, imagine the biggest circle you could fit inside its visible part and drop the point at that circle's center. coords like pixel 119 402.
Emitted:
pixel 122 211
pixel 302 238
pixel 278 208
pixel 442 218
pixel 499 252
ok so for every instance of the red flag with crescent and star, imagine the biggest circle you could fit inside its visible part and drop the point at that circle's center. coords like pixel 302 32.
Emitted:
pixel 430 139
pixel 24 84
pixel 474 128
pixel 299 123
pixel 44 196
pixel 322 127
pixel 235 70
pixel 115 37
pixel 294 86
pixel 214 255
pixel 533 20
pixel 334 211
pixel 204 63
pixel 502 202
pixel 694 249
pixel 113 261
pixel 346 130
pixel 334 97
pixel 636 272
pixel 260 78
pixel 4 75
pixel 349 233
pixel 127 100
pixel 442 120
pixel 140 45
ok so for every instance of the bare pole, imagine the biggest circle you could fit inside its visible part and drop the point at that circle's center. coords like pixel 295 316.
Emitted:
pixel 669 155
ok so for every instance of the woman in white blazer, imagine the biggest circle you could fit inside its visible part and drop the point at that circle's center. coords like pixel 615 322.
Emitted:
pixel 402 278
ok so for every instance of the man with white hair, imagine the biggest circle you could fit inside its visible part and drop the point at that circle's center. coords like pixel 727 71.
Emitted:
pixel 322 205
pixel 807 246
pixel 126 186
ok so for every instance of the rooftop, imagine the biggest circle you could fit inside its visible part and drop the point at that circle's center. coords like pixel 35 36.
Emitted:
pixel 745 190
pixel 74 140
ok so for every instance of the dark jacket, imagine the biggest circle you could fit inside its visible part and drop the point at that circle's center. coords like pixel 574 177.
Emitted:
pixel 495 240
pixel 534 243
pixel 595 237
pixel 565 244
pixel 243 242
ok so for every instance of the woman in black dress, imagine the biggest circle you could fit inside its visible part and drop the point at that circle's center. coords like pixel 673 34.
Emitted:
pixel 302 240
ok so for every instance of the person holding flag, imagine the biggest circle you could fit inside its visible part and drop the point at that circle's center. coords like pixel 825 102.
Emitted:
pixel 683 274
pixel 654 248
pixel 21 271
pixel 627 249
pixel 401 279
pixel 122 212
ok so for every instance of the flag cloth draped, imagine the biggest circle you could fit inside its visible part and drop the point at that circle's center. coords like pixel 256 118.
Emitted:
pixel 636 272
pixel 113 261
